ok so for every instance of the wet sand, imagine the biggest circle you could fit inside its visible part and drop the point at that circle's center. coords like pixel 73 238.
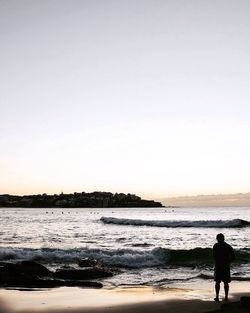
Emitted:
pixel 196 299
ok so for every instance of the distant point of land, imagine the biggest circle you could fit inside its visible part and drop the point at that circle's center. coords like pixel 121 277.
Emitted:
pixel 95 199
pixel 222 200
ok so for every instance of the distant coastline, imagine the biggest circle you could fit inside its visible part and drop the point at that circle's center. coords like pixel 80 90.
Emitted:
pixel 95 199
pixel 222 200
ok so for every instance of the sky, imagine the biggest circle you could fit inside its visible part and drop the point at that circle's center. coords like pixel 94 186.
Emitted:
pixel 143 96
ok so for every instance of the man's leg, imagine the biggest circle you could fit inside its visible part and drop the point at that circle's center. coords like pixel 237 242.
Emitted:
pixel 217 291
pixel 226 288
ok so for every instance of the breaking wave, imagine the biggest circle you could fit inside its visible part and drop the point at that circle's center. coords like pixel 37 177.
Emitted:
pixel 123 258
pixel 180 223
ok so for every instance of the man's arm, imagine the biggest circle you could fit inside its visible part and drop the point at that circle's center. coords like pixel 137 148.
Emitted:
pixel 231 254
pixel 214 252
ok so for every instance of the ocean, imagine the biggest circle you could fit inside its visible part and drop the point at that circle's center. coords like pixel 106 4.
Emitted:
pixel 144 246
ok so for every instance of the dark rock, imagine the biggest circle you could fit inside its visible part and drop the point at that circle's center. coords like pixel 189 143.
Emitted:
pixel 87 262
pixel 25 271
pixel 12 272
pixel 34 268
pixel 245 302
pixel 83 274
pixel 29 274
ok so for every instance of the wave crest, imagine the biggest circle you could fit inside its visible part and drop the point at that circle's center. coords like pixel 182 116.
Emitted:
pixel 124 258
pixel 173 223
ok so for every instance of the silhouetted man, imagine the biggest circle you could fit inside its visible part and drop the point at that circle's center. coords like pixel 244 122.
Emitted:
pixel 223 255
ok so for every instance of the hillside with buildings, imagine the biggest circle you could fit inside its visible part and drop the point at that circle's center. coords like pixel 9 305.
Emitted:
pixel 95 199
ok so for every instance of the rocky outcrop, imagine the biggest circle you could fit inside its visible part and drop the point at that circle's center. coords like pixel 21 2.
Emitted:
pixel 31 274
pixel 83 274
pixel 23 271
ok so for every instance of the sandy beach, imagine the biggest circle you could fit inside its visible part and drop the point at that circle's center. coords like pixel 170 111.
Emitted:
pixel 195 299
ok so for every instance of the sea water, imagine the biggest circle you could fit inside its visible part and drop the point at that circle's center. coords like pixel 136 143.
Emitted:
pixel 144 246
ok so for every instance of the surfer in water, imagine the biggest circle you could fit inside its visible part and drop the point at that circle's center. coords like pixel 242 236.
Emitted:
pixel 223 255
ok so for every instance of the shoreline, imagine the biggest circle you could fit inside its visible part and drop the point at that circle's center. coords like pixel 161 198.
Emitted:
pixel 195 298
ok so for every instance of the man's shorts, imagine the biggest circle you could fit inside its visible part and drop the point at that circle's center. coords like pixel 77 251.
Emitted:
pixel 222 273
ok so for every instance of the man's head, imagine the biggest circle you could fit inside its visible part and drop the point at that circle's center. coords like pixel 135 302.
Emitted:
pixel 220 238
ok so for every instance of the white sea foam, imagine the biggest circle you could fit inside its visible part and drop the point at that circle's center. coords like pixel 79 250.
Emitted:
pixel 126 258
pixel 118 258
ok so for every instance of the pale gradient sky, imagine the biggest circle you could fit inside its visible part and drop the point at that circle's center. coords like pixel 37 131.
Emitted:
pixel 148 97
